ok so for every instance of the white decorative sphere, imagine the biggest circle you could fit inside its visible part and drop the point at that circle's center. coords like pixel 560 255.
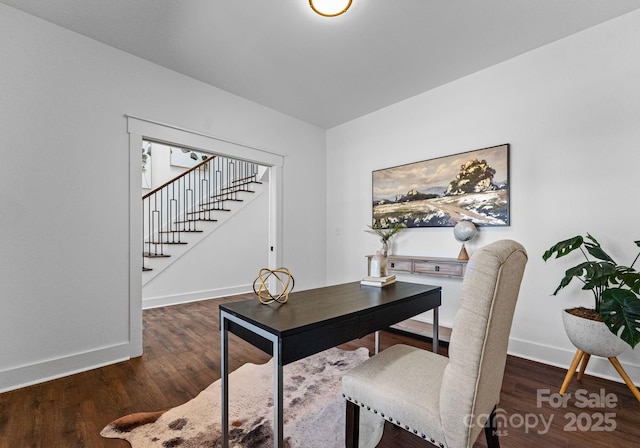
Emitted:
pixel 464 231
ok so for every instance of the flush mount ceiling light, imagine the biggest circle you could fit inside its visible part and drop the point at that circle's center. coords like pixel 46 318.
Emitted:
pixel 330 8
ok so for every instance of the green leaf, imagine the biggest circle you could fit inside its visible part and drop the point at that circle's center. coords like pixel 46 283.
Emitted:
pixel 564 282
pixel 592 273
pixel 596 250
pixel 563 247
pixel 620 309
pixel 629 278
pixel 598 274
pixel 385 233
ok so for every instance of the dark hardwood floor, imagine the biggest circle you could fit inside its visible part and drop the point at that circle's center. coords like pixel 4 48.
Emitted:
pixel 181 357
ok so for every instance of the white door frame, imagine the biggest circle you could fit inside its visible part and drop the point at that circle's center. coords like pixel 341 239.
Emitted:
pixel 139 129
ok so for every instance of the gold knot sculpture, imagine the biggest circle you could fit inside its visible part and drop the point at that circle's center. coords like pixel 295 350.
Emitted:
pixel 285 283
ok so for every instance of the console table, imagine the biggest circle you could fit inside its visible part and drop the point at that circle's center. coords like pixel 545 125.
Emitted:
pixel 434 266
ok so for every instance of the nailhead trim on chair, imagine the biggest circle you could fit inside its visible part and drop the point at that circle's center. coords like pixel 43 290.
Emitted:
pixel 396 422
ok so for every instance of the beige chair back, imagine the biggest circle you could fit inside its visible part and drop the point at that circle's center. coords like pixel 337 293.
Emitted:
pixel 478 347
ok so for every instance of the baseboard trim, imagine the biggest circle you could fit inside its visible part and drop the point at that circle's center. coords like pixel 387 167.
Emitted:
pixel 561 357
pixel 176 299
pixel 553 356
pixel 28 375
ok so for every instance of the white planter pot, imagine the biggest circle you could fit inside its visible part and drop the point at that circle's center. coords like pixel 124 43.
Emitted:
pixel 592 337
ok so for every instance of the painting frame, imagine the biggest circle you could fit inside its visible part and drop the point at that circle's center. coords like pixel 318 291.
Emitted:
pixel 440 192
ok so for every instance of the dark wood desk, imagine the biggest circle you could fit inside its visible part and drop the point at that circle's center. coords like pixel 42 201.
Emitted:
pixel 314 320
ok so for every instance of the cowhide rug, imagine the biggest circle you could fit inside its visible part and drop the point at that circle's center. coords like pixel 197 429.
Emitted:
pixel 313 410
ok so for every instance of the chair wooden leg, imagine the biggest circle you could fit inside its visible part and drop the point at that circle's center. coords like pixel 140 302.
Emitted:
pixel 572 370
pixel 491 431
pixel 352 427
pixel 583 365
pixel 632 387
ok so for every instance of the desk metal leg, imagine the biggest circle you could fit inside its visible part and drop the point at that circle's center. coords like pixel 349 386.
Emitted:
pixel 278 420
pixel 224 379
pixel 436 341
pixel 376 347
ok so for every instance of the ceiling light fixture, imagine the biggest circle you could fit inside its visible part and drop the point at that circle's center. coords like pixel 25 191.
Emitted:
pixel 330 8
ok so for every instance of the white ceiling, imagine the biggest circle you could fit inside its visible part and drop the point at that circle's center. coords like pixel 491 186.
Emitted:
pixel 321 70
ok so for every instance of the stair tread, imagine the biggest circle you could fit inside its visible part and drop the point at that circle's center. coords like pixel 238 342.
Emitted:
pixel 246 180
pixel 210 203
pixel 231 190
pixel 220 201
pixel 210 210
pixel 180 231
pixel 224 196
pixel 205 204
pixel 150 255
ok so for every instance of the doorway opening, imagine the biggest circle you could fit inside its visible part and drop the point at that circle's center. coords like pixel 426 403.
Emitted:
pixel 142 131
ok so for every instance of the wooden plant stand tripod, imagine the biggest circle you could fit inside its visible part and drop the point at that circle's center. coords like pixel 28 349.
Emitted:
pixel 582 358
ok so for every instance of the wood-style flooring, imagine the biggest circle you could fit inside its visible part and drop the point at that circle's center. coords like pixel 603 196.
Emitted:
pixel 181 357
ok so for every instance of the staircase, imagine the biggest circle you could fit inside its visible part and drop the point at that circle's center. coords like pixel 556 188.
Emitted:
pixel 184 205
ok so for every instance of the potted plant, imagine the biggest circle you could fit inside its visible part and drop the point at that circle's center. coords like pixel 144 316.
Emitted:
pixel 385 233
pixel 615 290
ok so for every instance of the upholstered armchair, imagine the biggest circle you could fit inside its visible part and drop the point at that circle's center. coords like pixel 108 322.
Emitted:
pixel 447 400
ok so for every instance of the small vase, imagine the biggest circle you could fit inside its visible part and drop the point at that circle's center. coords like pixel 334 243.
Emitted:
pixel 385 248
pixel 378 265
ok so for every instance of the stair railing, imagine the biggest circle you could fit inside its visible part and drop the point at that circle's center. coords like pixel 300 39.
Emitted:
pixel 180 204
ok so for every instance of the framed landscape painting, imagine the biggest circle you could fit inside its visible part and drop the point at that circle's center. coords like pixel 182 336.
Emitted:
pixel 470 186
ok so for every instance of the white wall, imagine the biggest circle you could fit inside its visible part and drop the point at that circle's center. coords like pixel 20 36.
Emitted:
pixel 571 112
pixel 64 189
